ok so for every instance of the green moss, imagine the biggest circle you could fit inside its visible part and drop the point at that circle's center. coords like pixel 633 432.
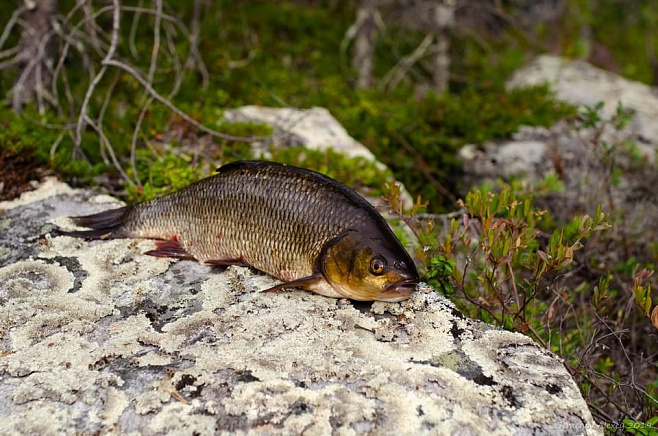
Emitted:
pixel 162 175
pixel 50 147
pixel 357 172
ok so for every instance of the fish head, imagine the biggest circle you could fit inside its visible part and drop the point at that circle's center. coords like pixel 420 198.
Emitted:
pixel 367 268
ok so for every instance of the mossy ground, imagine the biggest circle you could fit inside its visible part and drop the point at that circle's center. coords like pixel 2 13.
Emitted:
pixel 293 59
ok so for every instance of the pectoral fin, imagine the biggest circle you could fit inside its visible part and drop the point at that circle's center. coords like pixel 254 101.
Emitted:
pixel 307 283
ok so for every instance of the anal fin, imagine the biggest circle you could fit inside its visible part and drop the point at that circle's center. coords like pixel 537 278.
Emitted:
pixel 307 283
pixel 170 249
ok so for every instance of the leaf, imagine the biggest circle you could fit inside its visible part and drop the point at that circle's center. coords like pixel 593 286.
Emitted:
pixel 551 313
pixel 654 321
pixel 643 299
pixel 544 257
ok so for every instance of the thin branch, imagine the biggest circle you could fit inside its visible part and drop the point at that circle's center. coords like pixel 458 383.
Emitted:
pixel 440 217
pixel 11 62
pixel 133 31
pixel 133 72
pixel 90 25
pixel 10 25
pixel 92 86
pixel 156 41
pixel 178 68
pixel 10 52
pixel 397 73
pixel 195 56
pixel 133 144
pixel 110 150
pixel 53 148
pixel 101 114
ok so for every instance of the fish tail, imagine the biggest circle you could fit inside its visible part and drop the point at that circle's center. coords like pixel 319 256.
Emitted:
pixel 104 225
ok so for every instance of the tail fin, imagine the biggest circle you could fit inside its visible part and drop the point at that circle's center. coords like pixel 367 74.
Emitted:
pixel 105 225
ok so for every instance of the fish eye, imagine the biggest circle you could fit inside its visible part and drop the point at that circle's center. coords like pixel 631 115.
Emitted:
pixel 377 266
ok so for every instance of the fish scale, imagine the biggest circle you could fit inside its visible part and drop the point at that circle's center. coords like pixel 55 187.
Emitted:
pixel 274 219
pixel 295 224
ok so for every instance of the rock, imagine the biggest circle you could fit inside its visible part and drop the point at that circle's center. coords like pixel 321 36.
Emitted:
pixel 532 152
pixel 580 83
pixel 313 128
pixel 96 337
pixel 504 159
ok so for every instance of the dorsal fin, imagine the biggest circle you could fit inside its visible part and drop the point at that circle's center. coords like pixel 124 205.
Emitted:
pixel 244 164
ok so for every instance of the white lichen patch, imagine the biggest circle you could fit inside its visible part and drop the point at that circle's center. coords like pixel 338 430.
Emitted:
pixel 33 280
pixel 178 418
pixel 96 337
pixel 153 359
pixel 152 400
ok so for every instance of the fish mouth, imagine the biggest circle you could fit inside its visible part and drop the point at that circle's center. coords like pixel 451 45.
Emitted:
pixel 399 291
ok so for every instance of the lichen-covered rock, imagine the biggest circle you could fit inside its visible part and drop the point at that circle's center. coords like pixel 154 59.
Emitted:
pixel 313 128
pixel 96 337
pixel 580 83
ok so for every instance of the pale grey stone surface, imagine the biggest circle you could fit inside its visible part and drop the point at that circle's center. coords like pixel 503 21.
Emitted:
pixel 532 151
pixel 96 337
pixel 506 159
pixel 580 83
pixel 313 128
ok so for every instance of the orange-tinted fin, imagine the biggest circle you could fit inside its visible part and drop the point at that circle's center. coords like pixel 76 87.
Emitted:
pixel 303 283
pixel 225 262
pixel 170 249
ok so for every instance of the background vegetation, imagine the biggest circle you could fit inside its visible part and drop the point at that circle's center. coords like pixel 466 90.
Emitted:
pixel 507 261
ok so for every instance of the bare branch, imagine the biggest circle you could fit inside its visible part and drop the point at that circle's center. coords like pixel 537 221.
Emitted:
pixel 110 150
pixel 101 115
pixel 90 24
pixel 133 144
pixel 11 62
pixel 133 31
pixel 10 25
pixel 92 86
pixel 178 68
pixel 10 52
pixel 397 73
pixel 156 41
pixel 195 56
pixel 133 72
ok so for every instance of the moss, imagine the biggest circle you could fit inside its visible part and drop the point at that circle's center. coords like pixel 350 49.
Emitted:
pixel 170 171
pixel 50 147
pixel 163 175
pixel 356 172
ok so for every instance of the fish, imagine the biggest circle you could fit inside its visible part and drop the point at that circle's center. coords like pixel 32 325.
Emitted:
pixel 300 226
